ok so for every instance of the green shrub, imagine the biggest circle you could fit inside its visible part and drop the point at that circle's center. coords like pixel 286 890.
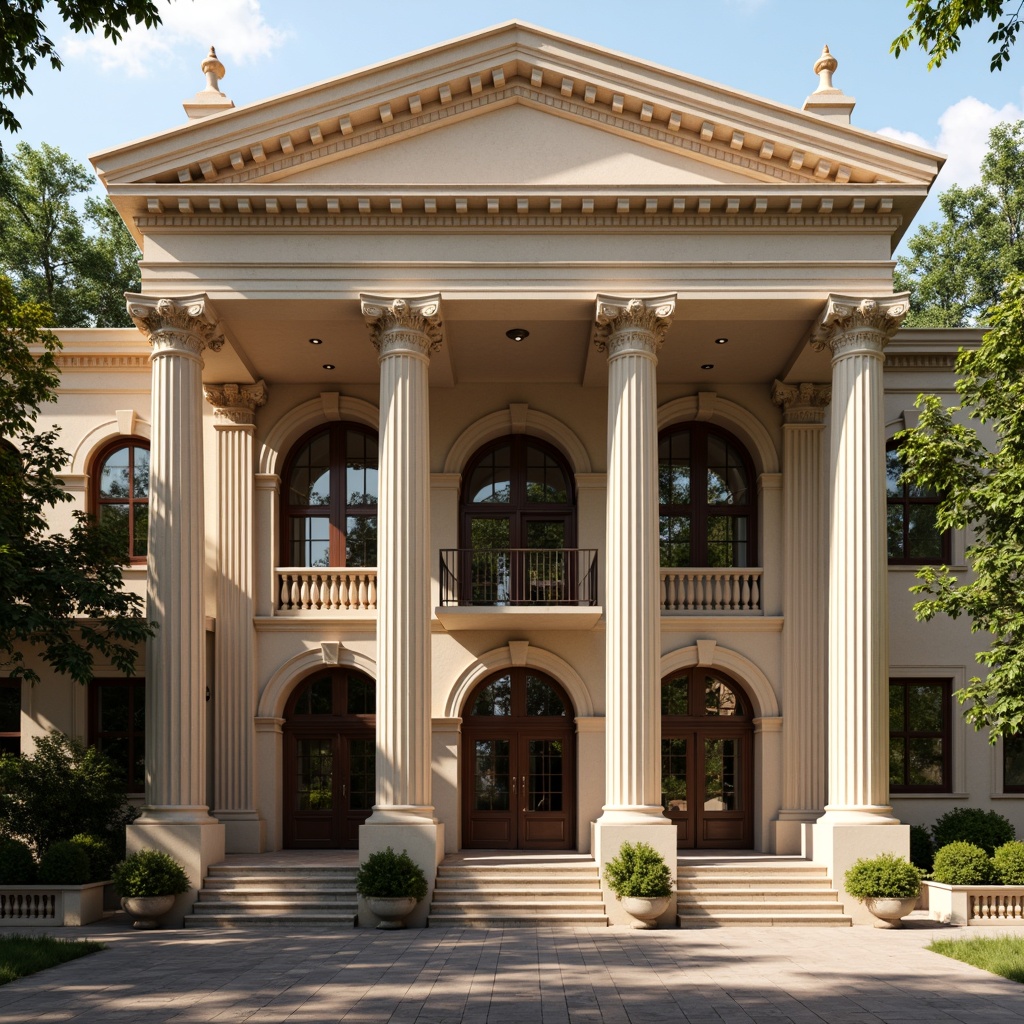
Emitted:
pixel 17 865
pixel 638 870
pixel 1008 861
pixel 62 789
pixel 101 856
pixel 64 863
pixel 150 873
pixel 962 864
pixel 986 829
pixel 391 875
pixel 885 876
pixel 922 850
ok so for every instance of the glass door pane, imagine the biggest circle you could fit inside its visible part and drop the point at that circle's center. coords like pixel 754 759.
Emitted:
pixel 721 773
pixel 488 572
pixel 544 776
pixel 491 775
pixel 543 577
pixel 314 776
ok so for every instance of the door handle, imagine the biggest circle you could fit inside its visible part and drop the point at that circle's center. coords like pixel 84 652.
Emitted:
pixel 513 785
pixel 523 780
pixel 344 789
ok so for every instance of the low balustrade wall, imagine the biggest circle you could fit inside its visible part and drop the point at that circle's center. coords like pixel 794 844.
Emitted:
pixel 715 591
pixel 326 590
pixel 50 906
pixel 973 905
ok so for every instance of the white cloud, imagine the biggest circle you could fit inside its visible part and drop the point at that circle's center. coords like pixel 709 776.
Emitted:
pixel 236 27
pixel 963 137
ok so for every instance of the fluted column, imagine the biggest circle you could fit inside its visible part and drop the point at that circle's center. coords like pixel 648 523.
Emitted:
pixel 804 673
pixel 631 331
pixel 176 817
pixel 405 333
pixel 179 330
pixel 856 332
pixel 234 689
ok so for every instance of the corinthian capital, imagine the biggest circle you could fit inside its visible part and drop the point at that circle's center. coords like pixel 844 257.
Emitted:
pixel 802 403
pixel 621 322
pixel 187 325
pixel 397 323
pixel 236 403
pixel 849 322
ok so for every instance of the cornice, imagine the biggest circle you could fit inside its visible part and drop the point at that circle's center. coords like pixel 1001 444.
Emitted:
pixel 101 362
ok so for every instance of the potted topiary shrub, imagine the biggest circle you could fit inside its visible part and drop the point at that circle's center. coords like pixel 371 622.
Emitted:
pixel 147 883
pixel 887 885
pixel 392 884
pixel 641 881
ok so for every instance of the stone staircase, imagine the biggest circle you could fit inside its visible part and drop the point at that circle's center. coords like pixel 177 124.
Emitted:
pixel 755 891
pixel 277 891
pixel 491 890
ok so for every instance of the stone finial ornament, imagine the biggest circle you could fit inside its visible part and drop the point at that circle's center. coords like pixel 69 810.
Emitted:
pixel 209 100
pixel 823 68
pixel 827 101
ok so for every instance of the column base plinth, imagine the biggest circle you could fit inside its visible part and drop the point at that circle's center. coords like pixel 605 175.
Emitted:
pixel 786 833
pixel 837 844
pixel 194 844
pixel 244 832
pixel 422 838
pixel 628 825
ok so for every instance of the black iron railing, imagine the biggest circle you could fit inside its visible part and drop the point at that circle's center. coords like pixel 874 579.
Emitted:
pixel 519 576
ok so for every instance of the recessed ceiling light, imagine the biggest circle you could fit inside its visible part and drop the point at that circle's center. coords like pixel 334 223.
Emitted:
pixel 517 333
pixel 316 341
pixel 328 366
pixel 721 341
pixel 707 366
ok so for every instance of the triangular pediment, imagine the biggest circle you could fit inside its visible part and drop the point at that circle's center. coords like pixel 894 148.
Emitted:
pixel 517 144
pixel 534 116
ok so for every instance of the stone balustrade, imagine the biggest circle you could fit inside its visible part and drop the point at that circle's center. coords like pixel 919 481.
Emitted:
pixel 711 591
pixel 302 590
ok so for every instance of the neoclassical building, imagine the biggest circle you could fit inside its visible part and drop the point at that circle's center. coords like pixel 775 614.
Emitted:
pixel 505 453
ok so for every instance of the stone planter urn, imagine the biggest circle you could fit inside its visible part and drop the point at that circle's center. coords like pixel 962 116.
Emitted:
pixel 392 910
pixel 645 909
pixel 889 911
pixel 147 909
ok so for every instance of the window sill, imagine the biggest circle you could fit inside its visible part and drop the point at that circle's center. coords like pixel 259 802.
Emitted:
pixel 929 796
pixel 918 566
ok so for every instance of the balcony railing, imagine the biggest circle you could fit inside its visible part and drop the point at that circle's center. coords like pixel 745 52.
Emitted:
pixel 326 590
pixel 714 591
pixel 519 576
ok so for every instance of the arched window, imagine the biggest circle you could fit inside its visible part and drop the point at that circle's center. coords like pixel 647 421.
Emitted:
pixel 914 537
pixel 518 531
pixel 706 497
pixel 120 493
pixel 329 499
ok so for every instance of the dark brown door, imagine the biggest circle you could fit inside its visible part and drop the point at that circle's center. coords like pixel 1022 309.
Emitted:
pixel 519 765
pixel 706 761
pixel 329 760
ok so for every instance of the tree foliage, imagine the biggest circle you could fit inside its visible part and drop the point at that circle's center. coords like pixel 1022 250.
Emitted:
pixel 981 486
pixel 957 267
pixel 60 595
pixel 23 39
pixel 935 25
pixel 46 249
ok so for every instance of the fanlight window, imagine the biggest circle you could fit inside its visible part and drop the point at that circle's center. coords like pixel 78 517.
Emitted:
pixel 502 697
pixel 706 497
pixel 121 494
pixel 330 498
pixel 699 693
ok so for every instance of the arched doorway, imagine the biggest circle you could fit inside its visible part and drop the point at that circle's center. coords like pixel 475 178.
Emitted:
pixel 330 748
pixel 519 764
pixel 707 746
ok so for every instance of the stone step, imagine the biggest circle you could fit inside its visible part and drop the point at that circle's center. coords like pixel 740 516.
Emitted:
pixel 715 908
pixel 446 895
pixel 782 873
pixel 295 920
pixel 764 920
pixel 771 895
pixel 483 918
pixel 268 907
pixel 207 895
pixel 265 874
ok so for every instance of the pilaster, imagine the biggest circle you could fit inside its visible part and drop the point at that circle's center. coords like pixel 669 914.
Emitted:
pixel 630 331
pixel 175 817
pixel 856 331
pixel 804 674
pixel 234 689
pixel 405 332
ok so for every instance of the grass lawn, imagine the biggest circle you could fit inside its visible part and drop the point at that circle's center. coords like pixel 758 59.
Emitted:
pixel 20 955
pixel 1002 955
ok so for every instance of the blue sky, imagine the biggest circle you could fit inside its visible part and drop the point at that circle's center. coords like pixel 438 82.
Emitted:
pixel 109 95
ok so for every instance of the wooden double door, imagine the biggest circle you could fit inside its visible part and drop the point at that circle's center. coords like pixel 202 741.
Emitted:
pixel 330 750
pixel 519 764
pixel 707 761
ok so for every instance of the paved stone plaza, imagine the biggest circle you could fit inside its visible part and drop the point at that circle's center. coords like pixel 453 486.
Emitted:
pixel 542 976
